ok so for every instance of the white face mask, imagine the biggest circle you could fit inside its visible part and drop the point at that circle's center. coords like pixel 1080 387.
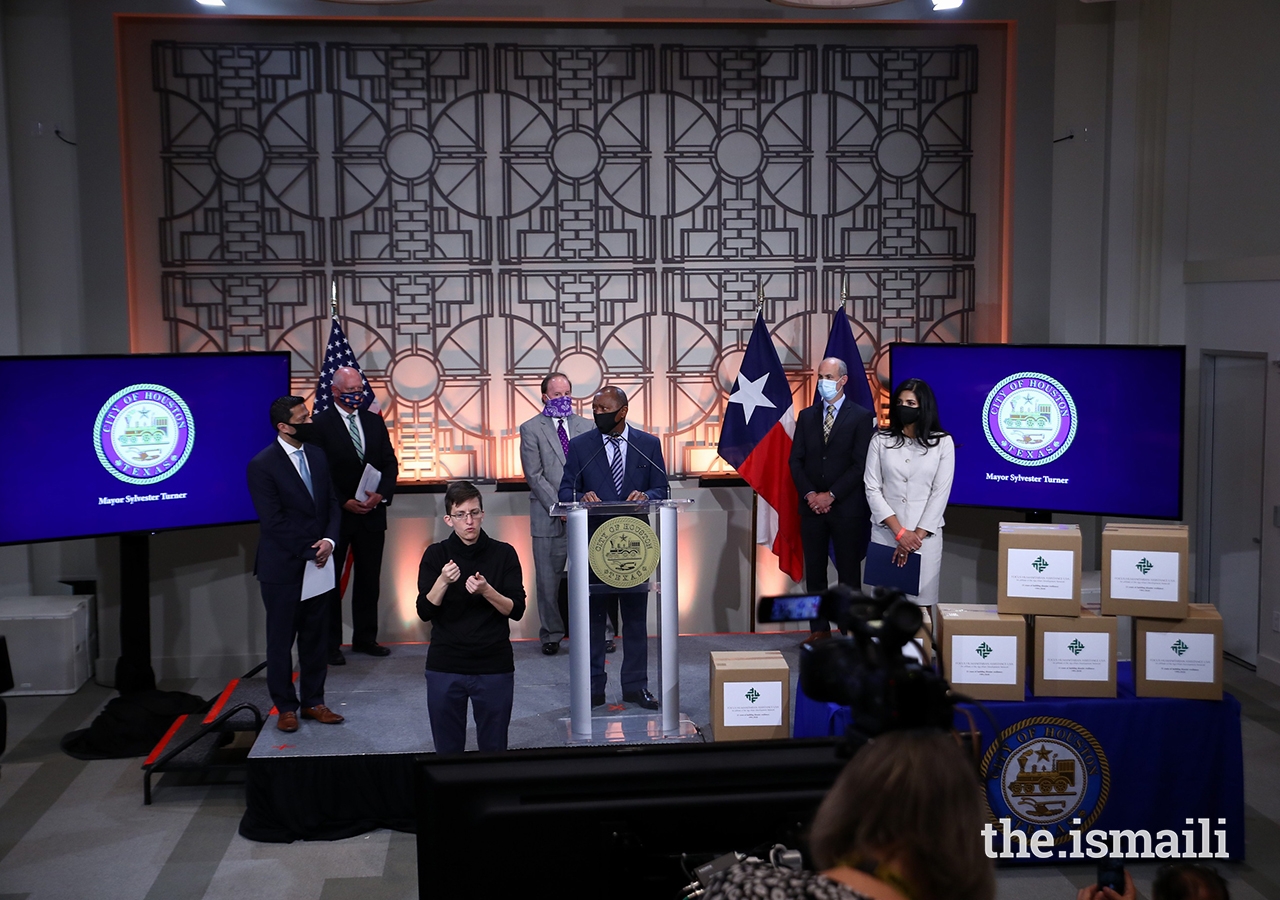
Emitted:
pixel 828 389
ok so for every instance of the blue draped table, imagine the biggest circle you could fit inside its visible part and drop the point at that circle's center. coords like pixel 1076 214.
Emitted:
pixel 1126 763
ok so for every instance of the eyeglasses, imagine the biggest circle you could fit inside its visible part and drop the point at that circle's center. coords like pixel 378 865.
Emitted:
pixel 469 515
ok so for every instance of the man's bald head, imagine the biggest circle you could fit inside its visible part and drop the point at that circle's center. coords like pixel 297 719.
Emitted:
pixel 608 402
pixel 347 380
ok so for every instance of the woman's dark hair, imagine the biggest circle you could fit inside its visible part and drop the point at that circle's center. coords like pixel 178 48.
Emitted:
pixel 909 798
pixel 1188 881
pixel 928 429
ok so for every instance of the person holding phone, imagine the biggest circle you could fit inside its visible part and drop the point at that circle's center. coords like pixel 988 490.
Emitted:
pixel 908 481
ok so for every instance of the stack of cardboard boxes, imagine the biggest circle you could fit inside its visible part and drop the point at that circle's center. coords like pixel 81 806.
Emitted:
pixel 1072 650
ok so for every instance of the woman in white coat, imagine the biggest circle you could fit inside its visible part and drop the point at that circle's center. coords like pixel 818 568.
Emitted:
pixel 908 479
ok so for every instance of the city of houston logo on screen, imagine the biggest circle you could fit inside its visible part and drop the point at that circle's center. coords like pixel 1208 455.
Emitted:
pixel 144 433
pixel 1029 419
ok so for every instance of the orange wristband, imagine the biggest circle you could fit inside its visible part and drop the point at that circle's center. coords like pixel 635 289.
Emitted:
pixel 898 536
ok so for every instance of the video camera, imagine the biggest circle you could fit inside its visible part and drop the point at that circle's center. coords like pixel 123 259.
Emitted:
pixel 867 669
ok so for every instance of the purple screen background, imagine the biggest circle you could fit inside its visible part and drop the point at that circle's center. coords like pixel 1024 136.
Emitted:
pixel 1126 457
pixel 51 489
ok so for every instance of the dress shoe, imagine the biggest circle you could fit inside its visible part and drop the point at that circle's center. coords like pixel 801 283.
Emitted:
pixel 642 699
pixel 288 721
pixel 550 648
pixel 610 646
pixel 336 658
pixel 597 699
pixel 322 714
pixel 372 649
pixel 816 636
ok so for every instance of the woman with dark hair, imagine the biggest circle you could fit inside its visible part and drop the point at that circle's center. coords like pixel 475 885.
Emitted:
pixel 908 481
pixel 902 822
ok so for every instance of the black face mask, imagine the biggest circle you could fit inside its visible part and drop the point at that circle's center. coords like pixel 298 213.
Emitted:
pixel 908 415
pixel 304 431
pixel 606 421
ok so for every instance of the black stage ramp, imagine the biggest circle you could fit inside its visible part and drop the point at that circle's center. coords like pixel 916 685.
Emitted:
pixel 326 782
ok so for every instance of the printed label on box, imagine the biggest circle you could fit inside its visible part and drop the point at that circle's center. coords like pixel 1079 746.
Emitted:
pixel 984 659
pixel 1143 575
pixel 1172 656
pixel 753 703
pixel 1077 656
pixel 1047 574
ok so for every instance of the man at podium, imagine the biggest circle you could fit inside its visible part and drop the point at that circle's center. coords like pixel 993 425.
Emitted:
pixel 617 462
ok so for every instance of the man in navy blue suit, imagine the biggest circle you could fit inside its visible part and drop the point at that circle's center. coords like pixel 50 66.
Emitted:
pixel 617 462
pixel 300 519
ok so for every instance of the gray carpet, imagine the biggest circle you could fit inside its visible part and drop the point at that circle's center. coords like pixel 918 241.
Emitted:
pixel 385 700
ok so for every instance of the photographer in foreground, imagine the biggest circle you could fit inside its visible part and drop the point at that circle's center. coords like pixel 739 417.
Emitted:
pixel 902 822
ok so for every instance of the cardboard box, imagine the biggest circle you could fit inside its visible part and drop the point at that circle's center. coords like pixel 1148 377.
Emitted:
pixel 750 695
pixel 1039 572
pixel 1145 571
pixel 1179 659
pixel 984 652
pixel 1074 656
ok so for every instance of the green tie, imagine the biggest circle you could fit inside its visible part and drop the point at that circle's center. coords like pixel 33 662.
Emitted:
pixel 827 422
pixel 355 435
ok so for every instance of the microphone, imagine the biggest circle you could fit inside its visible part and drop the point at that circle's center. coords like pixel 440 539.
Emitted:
pixel 650 461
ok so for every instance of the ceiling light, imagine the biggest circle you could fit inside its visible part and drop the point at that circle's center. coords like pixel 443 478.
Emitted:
pixel 946 4
pixel 211 2
pixel 832 4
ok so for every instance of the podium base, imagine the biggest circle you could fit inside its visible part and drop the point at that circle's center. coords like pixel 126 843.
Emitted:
pixel 633 728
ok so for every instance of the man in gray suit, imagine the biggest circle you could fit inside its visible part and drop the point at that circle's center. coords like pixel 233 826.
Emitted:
pixel 544 441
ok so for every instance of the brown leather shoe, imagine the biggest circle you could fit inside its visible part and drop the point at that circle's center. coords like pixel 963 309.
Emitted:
pixel 322 714
pixel 288 721
pixel 815 636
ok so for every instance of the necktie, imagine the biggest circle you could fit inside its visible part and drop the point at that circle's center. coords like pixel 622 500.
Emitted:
pixel 827 422
pixel 564 437
pixel 616 463
pixel 305 471
pixel 355 435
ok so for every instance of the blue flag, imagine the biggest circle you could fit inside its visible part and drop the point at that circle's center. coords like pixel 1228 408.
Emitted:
pixel 841 345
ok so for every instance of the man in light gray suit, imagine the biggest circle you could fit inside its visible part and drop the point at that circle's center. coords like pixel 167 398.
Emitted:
pixel 544 441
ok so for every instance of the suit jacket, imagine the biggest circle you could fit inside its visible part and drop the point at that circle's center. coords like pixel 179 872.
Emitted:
pixel 587 468
pixel 290 520
pixel 837 464
pixel 543 458
pixel 347 468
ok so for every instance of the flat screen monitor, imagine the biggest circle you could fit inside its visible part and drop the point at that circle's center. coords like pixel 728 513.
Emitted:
pixel 1059 428
pixel 609 820
pixel 113 444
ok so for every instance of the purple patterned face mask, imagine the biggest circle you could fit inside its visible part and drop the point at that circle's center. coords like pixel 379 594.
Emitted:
pixel 558 408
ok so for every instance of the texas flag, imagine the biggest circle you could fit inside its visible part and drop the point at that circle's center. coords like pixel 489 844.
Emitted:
pixel 759 421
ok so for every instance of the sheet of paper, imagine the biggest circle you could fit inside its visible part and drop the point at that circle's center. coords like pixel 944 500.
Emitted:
pixel 316 580
pixel 1041 573
pixel 1077 656
pixel 753 703
pixel 369 481
pixel 1173 656
pixel 984 659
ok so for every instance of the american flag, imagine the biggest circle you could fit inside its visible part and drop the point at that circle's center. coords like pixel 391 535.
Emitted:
pixel 336 355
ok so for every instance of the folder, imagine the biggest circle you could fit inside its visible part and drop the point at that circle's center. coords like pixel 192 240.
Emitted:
pixel 881 571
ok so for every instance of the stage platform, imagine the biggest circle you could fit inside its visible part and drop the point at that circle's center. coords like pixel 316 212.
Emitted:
pixel 331 781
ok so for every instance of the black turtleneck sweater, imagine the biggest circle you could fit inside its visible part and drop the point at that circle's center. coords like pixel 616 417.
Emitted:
pixel 469 636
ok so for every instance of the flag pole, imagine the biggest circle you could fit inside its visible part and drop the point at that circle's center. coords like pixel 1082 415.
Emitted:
pixel 755 495
pixel 333 297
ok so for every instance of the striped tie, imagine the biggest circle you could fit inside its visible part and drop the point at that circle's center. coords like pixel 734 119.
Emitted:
pixel 827 422
pixel 355 436
pixel 616 463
